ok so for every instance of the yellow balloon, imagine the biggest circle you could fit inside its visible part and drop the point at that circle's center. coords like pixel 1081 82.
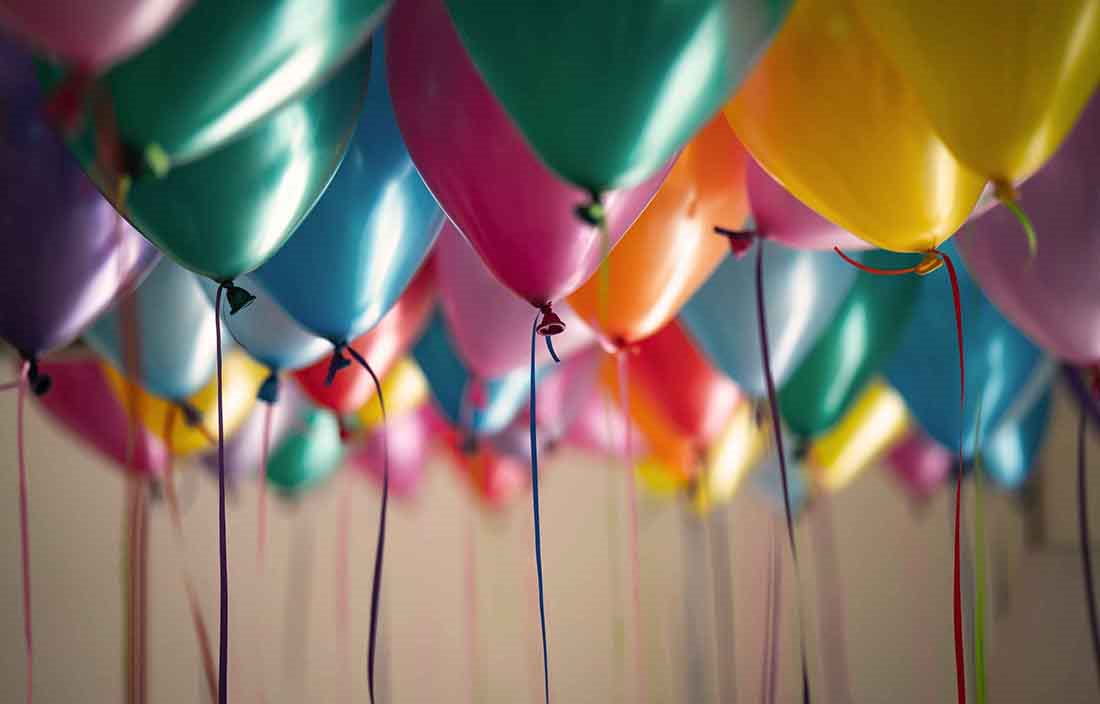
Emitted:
pixel 657 479
pixel 828 115
pixel 876 421
pixel 241 379
pixel 730 458
pixel 404 389
pixel 1003 81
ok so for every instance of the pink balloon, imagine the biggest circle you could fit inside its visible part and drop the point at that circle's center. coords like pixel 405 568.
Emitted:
pixel 488 323
pixel 517 215
pixel 599 424
pixel 781 217
pixel 920 463
pixel 81 400
pixel 409 439
pixel 93 34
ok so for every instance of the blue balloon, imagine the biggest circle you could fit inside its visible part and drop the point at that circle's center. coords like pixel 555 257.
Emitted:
pixel 355 253
pixel 1009 453
pixel 450 383
pixel 174 322
pixel 802 290
pixel 925 367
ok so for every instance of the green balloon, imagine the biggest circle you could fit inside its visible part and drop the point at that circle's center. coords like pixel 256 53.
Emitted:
pixel 308 455
pixel 223 66
pixel 225 214
pixel 853 348
pixel 606 92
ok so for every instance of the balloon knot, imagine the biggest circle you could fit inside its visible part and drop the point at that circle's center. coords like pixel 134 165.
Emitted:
pixel 269 390
pixel 237 297
pixel 931 262
pixel 39 383
pixel 337 362
pixel 741 241
pixel 801 448
pixel 1009 196
pixel 1004 190
pixel 1094 379
pixel 191 415
pixel 592 211
pixel 550 324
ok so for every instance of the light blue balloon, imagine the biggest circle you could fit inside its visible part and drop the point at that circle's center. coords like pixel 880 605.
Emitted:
pixel 1000 361
pixel 1009 453
pixel 355 253
pixel 802 290
pixel 175 331
pixel 450 380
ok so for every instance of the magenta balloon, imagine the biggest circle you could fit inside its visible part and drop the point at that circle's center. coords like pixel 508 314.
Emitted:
pixel 564 393
pixel 600 427
pixel 92 34
pixel 82 401
pixel 1055 297
pixel 783 218
pixel 518 216
pixel 920 463
pixel 486 320
pixel 409 439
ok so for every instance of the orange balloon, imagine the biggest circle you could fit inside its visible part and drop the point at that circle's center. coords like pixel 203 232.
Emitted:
pixel 672 249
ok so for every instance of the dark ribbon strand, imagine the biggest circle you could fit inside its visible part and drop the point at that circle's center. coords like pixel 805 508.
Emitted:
pixel 1086 549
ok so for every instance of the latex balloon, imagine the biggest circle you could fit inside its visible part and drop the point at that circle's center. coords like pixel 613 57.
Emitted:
pixel 768 482
pixel 241 377
pixel 858 342
pixel 732 456
pixel 308 455
pixel 600 427
pixel 602 117
pixel 1003 82
pixel 780 217
pixel 671 250
pixel 562 395
pixel 489 323
pixel 82 401
pixel 408 442
pixel 1054 296
pixel 513 210
pixel 359 247
pixel 999 362
pixel 218 71
pixel 381 347
pixel 172 333
pixel 64 253
pixel 657 480
pixel 90 35
pixel 802 291
pixel 1008 455
pixel 875 423
pixel 824 136
pixel 921 464
pixel 495 478
pixel 225 214
pixel 404 388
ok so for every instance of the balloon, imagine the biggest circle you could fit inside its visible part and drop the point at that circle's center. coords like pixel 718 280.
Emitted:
pixel 657 480
pixel 562 395
pixel 920 463
pixel 1008 455
pixel 381 347
pixel 1054 297
pixel 173 330
pixel 782 218
pixel 65 253
pixel 241 377
pixel 862 152
pixel 999 361
pixel 220 70
pixel 404 388
pixel 408 441
pixel 732 456
pixel 768 482
pixel 632 82
pixel 82 401
pixel 876 422
pixel 1003 82
pixel 671 250
pixel 600 427
pixel 802 291
pixel 487 321
pixel 495 478
pixel 858 341
pixel 513 210
pixel 309 454
pixel 359 247
pixel 225 214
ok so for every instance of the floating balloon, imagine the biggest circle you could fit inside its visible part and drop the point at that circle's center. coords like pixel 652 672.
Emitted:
pixel 731 457
pixel 657 480
pixel 921 464
pixel 407 439
pixel 671 250
pixel 1054 296
pixel 359 247
pixel 64 254
pixel 600 427
pixel 562 395
pixel 513 210
pixel 173 333
pixel 1008 454
pixel 603 116
pixel 404 388
pixel 308 455
pixel 495 478
pixel 1003 82
pixel 860 152
pixel 802 291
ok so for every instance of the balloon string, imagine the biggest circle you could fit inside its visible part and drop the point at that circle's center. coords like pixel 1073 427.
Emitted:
pixel 722 590
pixel 769 379
pixel 535 510
pixel 261 528
pixel 766 667
pixel 1085 396
pixel 128 591
pixel 613 553
pixel 472 638
pixel 874 270
pixel 979 576
pixel 343 580
pixel 223 558
pixel 776 616
pixel 1007 194
pixel 635 557
pixel 831 594
pixel 143 600
pixel 1086 549
pixel 24 531
pixel 380 547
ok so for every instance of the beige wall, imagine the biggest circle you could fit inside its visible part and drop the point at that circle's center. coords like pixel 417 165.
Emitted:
pixel 894 562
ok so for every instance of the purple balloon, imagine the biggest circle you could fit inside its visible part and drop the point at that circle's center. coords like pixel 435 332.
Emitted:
pixel 64 252
pixel 1055 297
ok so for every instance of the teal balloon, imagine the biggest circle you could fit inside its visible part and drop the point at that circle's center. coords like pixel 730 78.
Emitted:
pixel 452 384
pixel 174 329
pixel 606 92
pixel 225 214
pixel 355 253
pixel 1008 455
pixel 310 453
pixel 222 67
pixel 925 367
pixel 802 292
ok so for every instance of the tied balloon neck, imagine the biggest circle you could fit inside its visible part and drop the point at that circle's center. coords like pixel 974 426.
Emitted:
pixel 592 211
pixel 191 415
pixel 38 382
pixel 269 390
pixel 549 324
pixel 337 362
pixel 1009 196
pixel 237 297
pixel 1093 375
pixel 741 241
pixel 801 448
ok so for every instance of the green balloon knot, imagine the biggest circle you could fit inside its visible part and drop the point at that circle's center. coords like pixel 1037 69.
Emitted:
pixel 592 212
pixel 237 297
